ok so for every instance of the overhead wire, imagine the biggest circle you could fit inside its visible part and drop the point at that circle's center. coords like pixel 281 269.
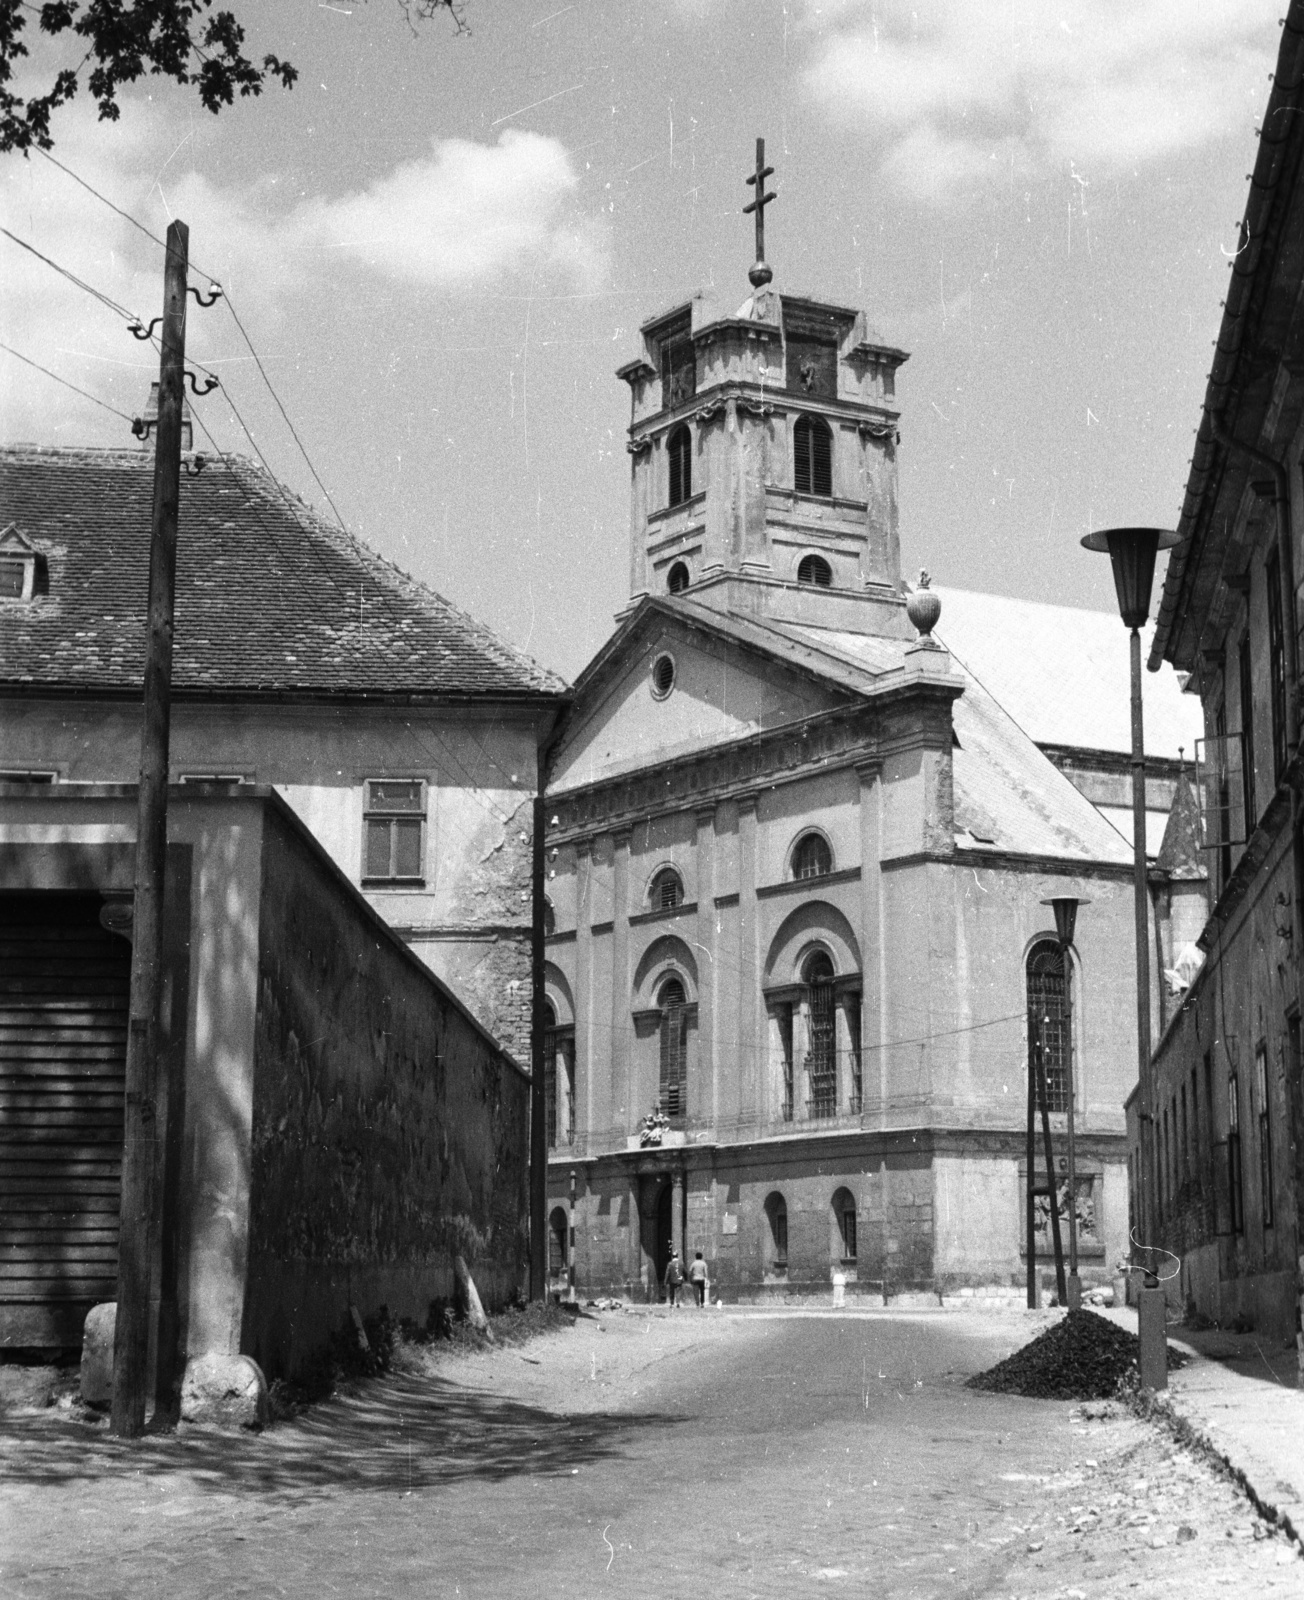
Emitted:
pixel 83 392
pixel 98 294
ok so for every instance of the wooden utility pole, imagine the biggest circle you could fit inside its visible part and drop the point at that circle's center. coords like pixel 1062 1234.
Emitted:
pixel 142 1137
pixel 538 1066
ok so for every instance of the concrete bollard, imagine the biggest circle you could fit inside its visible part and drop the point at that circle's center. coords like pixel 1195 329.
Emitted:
pixel 839 1289
pixel 97 1354
pixel 1152 1326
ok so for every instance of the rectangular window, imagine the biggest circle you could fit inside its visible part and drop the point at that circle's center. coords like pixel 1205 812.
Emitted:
pixel 1276 668
pixel 1247 737
pixel 674 1061
pixel 853 1034
pixel 1224 783
pixel 1235 1198
pixel 785 1035
pixel 1261 1090
pixel 394 827
pixel 678 364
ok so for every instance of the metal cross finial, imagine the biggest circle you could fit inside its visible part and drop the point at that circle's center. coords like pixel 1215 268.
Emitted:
pixel 760 274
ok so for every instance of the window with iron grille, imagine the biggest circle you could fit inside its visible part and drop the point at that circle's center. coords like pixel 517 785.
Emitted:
pixel 812 857
pixel 666 890
pixel 844 1215
pixel 812 457
pixel 1049 1021
pixel 822 1038
pixel 1261 1089
pixel 1247 737
pixel 1235 1193
pixel 395 831
pixel 674 1050
pixel 1276 668
pixel 680 449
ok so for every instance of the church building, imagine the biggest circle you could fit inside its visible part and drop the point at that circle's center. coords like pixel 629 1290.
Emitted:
pixel 798 865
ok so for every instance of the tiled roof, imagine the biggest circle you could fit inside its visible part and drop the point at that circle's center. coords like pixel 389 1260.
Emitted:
pixel 271 599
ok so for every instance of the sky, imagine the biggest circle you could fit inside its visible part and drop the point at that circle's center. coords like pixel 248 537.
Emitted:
pixel 442 245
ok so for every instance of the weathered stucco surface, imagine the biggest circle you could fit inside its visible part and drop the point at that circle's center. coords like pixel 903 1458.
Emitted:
pixel 388 1132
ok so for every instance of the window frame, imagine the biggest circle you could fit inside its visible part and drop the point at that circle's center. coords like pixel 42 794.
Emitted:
pixel 672 1077
pixel 844 1207
pixel 809 839
pixel 678 578
pixel 1276 665
pixel 372 812
pixel 1235 1175
pixel 656 897
pixel 819 977
pixel 1262 1085
pixel 679 463
pixel 1058 1079
pixel 1245 674
pixel 812 471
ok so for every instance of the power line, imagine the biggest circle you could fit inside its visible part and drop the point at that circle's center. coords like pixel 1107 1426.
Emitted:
pixel 85 396
pixel 72 277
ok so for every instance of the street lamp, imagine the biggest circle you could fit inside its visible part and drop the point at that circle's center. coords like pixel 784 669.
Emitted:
pixel 1065 907
pixel 1132 553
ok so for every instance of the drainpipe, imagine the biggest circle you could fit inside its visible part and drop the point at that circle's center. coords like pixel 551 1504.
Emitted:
pixel 1281 504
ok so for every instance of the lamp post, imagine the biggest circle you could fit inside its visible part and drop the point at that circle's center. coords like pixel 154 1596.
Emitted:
pixel 1132 553
pixel 1065 907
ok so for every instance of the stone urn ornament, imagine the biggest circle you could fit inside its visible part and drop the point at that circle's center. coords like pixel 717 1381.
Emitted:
pixel 924 608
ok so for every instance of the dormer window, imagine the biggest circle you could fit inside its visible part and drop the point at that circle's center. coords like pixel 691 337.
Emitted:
pixel 812 457
pixel 679 447
pixel 21 566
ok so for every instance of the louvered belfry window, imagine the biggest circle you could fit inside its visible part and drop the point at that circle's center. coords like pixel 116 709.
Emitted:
pixel 1050 1021
pixel 680 448
pixel 812 457
pixel 821 1054
pixel 674 1050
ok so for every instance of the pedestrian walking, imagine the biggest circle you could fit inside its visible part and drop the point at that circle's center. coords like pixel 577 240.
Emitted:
pixel 674 1277
pixel 697 1277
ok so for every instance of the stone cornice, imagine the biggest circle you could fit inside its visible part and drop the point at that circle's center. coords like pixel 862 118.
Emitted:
pixel 766 891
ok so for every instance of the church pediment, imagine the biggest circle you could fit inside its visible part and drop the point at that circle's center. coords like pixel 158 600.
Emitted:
pixel 672 683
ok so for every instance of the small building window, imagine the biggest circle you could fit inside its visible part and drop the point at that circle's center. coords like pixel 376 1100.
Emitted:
pixel 1235 1193
pixel 558 1243
pixel 821 1037
pixel 549 918
pixel 395 831
pixel 844 1221
pixel 22 567
pixel 1247 737
pixel 812 857
pixel 1049 1021
pixel 812 457
pixel 1276 669
pixel 679 447
pixel 674 1050
pixel 815 570
pixel 1261 1090
pixel 663 676
pixel 666 890
pixel 677 579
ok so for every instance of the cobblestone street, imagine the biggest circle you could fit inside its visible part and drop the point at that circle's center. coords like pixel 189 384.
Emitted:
pixel 719 1453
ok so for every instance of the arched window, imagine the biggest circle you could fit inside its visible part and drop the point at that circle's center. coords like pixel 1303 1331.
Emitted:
pixel 674 1049
pixel 776 1245
pixel 1050 1020
pixel 844 1225
pixel 815 570
pixel 558 1242
pixel 679 446
pixel 821 1036
pixel 666 890
pixel 812 456
pixel 677 578
pixel 812 858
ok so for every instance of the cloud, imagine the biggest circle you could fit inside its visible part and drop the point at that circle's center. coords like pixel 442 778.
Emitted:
pixel 459 219
pixel 964 88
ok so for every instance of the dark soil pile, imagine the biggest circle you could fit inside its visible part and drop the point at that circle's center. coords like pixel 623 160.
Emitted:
pixel 1083 1357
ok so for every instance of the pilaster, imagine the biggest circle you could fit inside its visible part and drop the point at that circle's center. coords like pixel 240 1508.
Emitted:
pixel 707 1097
pixel 748 978
pixel 873 1056
pixel 622 1044
pixel 584 994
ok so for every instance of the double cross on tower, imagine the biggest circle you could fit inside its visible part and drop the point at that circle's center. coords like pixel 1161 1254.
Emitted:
pixel 760 274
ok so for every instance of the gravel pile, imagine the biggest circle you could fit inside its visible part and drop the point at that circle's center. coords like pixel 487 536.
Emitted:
pixel 1083 1357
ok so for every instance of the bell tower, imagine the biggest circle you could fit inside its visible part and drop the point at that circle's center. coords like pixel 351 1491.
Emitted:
pixel 763 446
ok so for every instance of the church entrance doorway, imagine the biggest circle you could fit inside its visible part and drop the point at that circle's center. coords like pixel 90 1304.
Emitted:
pixel 665 1232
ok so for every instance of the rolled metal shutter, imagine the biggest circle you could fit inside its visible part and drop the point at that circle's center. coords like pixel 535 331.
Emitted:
pixel 64 986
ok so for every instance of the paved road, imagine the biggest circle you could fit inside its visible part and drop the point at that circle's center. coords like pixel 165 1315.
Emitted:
pixel 682 1455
